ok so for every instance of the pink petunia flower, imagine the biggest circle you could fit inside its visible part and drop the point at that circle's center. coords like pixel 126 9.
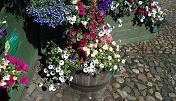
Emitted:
pixel 24 80
pixel 11 81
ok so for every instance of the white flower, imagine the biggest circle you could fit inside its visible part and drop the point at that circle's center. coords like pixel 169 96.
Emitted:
pixel 95 52
pixel 147 8
pixel 141 20
pixel 105 47
pixel 6 62
pixel 58 69
pixel 115 67
pixel 61 62
pixel 85 65
pixel 84 23
pixel 143 17
pixel 140 2
pixel 4 22
pixel 52 73
pixel 50 67
pixel 92 65
pixel 123 61
pixel 113 43
pixel 85 70
pixel 76 7
pixel 40 84
pixel 109 57
pixel 119 20
pixel 59 49
pixel 117 48
pixel 92 55
pixel 45 70
pixel 47 74
pixel 109 31
pixel 149 14
pixel 96 61
pixel 101 33
pixel 52 88
pixel 2 83
pixel 62 79
pixel 120 25
pixel 65 56
pixel 7 77
pixel 74 1
pixel 110 49
pixel 97 40
pixel 61 72
pixel 116 56
pixel 101 65
pixel 71 78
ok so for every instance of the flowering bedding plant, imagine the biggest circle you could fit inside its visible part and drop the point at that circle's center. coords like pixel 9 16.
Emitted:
pixel 12 72
pixel 94 58
pixel 83 22
pixel 48 12
pixel 146 12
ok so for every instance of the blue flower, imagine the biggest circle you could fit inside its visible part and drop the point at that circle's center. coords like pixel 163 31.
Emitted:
pixel 72 57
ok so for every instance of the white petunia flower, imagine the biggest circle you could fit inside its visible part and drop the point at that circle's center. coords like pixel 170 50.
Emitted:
pixel 117 48
pixel 58 69
pixel 4 22
pixel 52 73
pixel 96 61
pixel 110 49
pixel 85 70
pixel 123 61
pixel 116 56
pixel 140 2
pixel 84 23
pixel 147 8
pixel 149 14
pixel 40 84
pixel 59 49
pixel 50 67
pixel 101 65
pixel 76 7
pixel 105 47
pixel 113 43
pixel 115 67
pixel 52 88
pixel 109 57
pixel 65 56
pixel 7 77
pixel 119 20
pixel 61 72
pixel 74 1
pixel 2 83
pixel 141 20
pixel 92 64
pixel 85 65
pixel 101 33
pixel 47 74
pixel 62 79
pixel 120 25
pixel 45 70
pixel 71 78
pixel 6 62
pixel 61 62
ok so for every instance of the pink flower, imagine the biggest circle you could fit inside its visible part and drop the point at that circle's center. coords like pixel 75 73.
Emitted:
pixel 18 68
pixel 24 80
pixel 82 12
pixel 106 39
pixel 11 81
pixel 24 66
pixel 10 58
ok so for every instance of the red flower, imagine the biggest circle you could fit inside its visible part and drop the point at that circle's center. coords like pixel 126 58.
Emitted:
pixel 142 11
pixel 24 80
pixel 93 35
pixel 69 47
pixel 82 12
pixel 80 5
pixel 11 81
pixel 93 16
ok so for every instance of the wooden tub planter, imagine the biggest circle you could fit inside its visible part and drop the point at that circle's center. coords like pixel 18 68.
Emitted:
pixel 89 83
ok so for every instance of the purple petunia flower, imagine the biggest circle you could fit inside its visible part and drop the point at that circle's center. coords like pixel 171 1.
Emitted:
pixel 1 32
pixel 72 57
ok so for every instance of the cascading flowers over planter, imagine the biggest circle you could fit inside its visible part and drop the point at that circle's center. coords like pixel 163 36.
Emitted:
pixel 101 56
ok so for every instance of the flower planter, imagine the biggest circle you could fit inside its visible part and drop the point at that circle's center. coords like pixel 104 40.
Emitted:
pixel 89 83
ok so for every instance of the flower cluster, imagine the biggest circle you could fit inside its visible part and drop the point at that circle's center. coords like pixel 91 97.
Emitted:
pixel 83 22
pixel 149 12
pixel 103 6
pixel 12 72
pixel 48 12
